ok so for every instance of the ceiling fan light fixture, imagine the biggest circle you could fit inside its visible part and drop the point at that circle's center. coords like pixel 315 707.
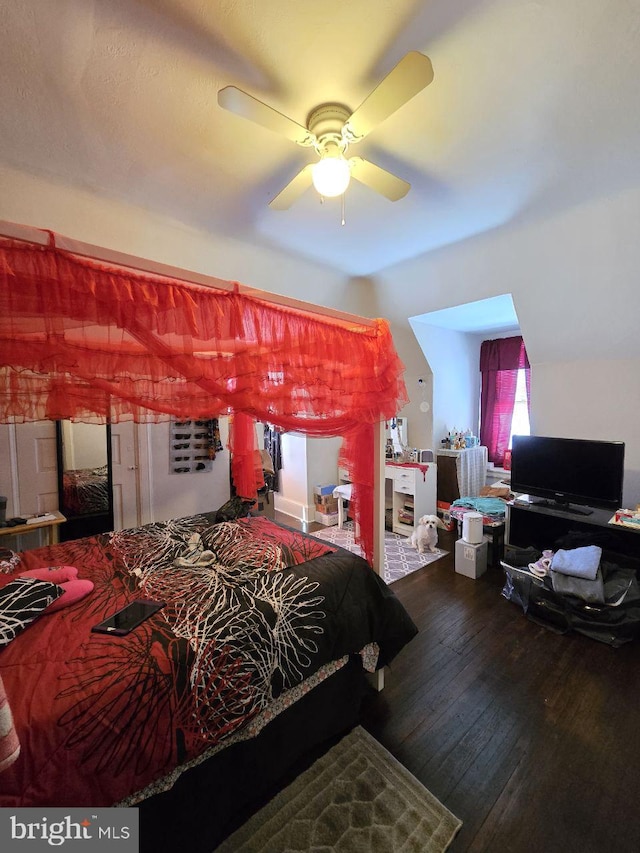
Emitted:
pixel 332 127
pixel 331 176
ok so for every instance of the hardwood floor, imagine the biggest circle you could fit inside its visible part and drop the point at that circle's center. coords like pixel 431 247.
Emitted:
pixel 531 738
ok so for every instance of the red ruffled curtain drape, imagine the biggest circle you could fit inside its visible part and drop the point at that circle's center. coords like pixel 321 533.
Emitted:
pixel 86 340
pixel 246 472
pixel 500 361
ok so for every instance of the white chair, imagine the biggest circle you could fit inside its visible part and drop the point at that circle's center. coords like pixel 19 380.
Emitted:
pixel 343 493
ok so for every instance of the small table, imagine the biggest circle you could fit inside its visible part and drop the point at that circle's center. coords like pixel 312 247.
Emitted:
pixel 52 524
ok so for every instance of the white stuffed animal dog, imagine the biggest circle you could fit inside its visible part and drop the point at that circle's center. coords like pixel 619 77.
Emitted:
pixel 425 536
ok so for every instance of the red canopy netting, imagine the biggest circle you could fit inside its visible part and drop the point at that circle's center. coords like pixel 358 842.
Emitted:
pixel 84 340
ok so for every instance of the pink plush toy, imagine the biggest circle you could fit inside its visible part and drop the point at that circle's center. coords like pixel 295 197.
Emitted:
pixel 53 574
pixel 66 577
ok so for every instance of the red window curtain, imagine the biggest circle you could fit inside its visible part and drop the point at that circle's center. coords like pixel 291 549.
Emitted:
pixel 500 361
pixel 88 340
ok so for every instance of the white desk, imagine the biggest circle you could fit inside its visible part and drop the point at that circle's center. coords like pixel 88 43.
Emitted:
pixel 410 492
pixel 406 486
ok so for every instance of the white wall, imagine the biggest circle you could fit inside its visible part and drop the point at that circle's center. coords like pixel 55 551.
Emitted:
pixel 85 445
pixel 605 397
pixel 306 462
pixel 106 222
pixel 573 277
pixel 454 358
pixel 419 424
pixel 322 456
pixel 292 499
pixel 178 495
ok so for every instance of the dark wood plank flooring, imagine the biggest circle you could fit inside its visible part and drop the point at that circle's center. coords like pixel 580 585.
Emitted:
pixel 531 738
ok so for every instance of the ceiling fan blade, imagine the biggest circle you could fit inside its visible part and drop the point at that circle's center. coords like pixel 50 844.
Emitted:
pixel 293 190
pixel 245 105
pixel 378 179
pixel 412 74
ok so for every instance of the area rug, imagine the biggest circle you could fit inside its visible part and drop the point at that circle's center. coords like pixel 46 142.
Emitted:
pixel 399 558
pixel 357 798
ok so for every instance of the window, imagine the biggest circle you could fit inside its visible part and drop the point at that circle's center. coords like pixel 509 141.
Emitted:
pixel 520 424
pixel 504 401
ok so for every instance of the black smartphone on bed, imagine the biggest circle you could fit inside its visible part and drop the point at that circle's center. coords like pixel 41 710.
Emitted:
pixel 125 620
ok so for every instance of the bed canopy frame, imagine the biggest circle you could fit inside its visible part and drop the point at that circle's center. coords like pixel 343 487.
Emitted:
pixel 89 334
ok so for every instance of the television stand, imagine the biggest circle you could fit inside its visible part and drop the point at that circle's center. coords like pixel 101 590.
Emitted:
pixel 543 526
pixel 562 507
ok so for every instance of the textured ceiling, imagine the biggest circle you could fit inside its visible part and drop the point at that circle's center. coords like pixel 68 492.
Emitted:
pixel 534 106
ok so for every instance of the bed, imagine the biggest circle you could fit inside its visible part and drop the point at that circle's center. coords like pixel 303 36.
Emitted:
pixel 85 491
pixel 259 620
pixel 90 334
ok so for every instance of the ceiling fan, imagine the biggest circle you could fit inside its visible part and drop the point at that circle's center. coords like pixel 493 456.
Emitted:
pixel 332 128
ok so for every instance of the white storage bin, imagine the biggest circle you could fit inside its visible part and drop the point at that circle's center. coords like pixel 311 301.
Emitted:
pixel 471 560
pixel 328 519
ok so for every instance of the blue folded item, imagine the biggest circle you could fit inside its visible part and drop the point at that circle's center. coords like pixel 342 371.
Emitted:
pixel 578 562
pixel 494 507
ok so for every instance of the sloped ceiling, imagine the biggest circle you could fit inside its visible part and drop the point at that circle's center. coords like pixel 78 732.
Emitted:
pixel 535 106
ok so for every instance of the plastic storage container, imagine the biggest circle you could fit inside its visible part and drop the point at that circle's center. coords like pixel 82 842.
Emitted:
pixel 471 560
pixel 472 528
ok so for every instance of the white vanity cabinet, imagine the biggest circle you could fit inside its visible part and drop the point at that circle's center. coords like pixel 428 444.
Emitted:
pixel 410 493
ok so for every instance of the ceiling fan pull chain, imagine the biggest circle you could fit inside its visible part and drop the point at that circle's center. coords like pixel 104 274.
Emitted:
pixel 342 206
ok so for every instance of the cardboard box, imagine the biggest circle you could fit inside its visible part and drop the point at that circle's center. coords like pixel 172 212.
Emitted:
pixel 471 560
pixel 327 510
pixel 443 508
pixel 328 519
pixel 326 501
pixel 324 490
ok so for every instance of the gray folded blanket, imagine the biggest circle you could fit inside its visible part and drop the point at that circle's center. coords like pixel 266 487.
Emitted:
pixel 591 591
pixel 578 562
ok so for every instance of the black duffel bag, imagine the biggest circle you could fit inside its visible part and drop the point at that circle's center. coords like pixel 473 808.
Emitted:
pixel 614 625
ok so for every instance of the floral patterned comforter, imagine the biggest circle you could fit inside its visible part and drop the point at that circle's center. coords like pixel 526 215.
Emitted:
pixel 252 611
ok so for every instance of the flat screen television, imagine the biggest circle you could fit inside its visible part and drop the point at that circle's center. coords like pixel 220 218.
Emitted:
pixel 565 471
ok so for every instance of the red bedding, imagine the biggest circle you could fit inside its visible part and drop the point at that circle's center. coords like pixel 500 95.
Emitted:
pixel 254 611
pixel 85 491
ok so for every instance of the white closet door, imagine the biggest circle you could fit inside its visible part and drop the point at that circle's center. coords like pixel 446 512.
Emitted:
pixel 36 467
pixel 28 476
pixel 128 448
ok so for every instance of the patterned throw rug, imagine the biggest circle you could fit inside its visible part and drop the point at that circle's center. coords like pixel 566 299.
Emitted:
pixel 355 799
pixel 400 558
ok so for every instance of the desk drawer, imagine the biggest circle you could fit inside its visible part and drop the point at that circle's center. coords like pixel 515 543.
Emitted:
pixel 404 487
pixel 406 477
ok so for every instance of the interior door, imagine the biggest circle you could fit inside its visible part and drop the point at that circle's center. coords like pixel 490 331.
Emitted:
pixel 125 472
pixel 36 467
pixel 28 475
